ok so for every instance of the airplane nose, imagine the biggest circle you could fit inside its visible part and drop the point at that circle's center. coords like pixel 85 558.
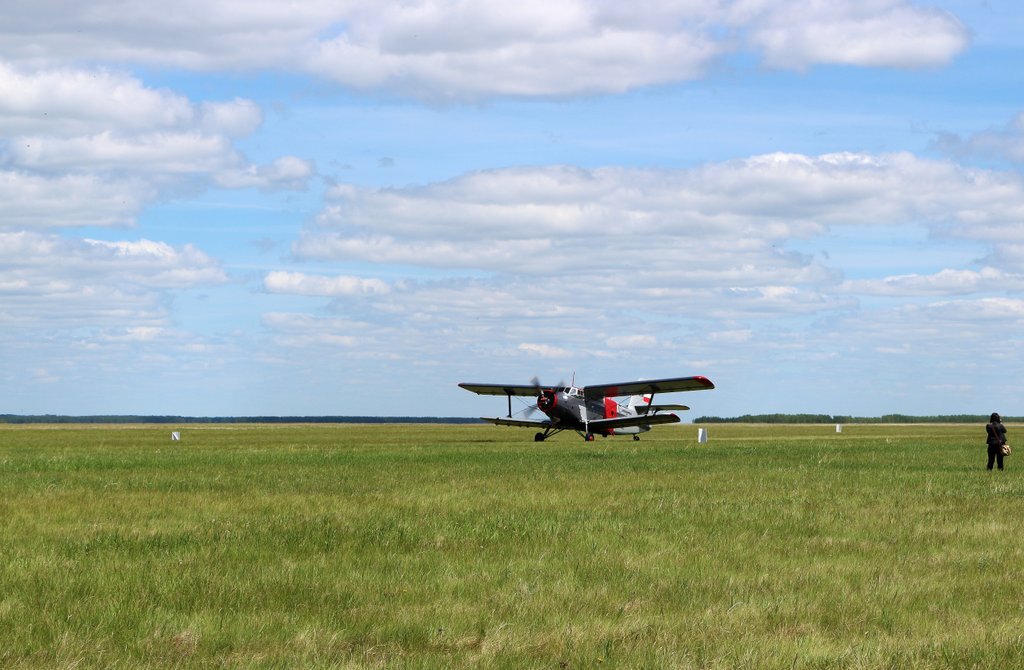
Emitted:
pixel 546 400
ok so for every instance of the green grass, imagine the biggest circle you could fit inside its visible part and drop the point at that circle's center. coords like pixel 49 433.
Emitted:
pixel 472 546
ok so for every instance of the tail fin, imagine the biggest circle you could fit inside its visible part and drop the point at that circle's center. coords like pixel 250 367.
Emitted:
pixel 637 400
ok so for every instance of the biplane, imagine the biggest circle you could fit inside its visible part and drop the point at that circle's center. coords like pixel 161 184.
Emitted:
pixel 592 410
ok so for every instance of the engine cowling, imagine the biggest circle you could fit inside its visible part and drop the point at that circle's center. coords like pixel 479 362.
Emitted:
pixel 547 400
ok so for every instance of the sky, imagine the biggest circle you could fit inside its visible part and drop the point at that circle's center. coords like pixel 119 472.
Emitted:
pixel 346 207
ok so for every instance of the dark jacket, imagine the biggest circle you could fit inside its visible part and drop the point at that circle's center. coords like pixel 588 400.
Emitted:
pixel 996 433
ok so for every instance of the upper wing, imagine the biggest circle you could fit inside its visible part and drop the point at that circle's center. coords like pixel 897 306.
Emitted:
pixel 501 389
pixel 644 387
pixel 524 423
pixel 623 421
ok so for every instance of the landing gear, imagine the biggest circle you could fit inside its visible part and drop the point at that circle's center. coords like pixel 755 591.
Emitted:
pixel 548 432
pixel 589 437
pixel 636 438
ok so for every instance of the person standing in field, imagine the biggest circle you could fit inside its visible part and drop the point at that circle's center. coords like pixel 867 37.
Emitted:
pixel 996 439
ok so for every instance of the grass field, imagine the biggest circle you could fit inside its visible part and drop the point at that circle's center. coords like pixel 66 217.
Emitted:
pixel 472 546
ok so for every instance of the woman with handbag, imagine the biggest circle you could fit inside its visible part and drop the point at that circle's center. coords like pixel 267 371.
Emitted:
pixel 997 446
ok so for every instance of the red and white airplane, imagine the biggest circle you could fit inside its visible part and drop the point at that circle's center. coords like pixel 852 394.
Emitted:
pixel 593 410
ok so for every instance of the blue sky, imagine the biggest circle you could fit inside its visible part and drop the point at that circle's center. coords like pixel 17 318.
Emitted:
pixel 250 208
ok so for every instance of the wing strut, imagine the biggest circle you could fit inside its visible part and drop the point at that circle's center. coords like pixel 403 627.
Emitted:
pixel 587 434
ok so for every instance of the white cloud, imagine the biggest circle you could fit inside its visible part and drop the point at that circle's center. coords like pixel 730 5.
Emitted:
pixel 297 283
pixel 136 334
pixel 51 280
pixel 445 254
pixel 34 201
pixel 238 118
pixel 694 258
pixel 468 49
pixel 990 311
pixel 946 282
pixel 632 342
pixel 1007 256
pixel 64 102
pixel 544 350
pixel 939 334
pixel 167 153
pixel 933 337
pixel 302 331
pixel 63 116
pixel 772 196
pixel 44 376
pixel 287 172
pixel 157 156
pixel 317 340
pixel 149 263
pixel 199 34
pixel 1005 143
pixel 509 319
pixel 62 122
pixel 731 337
pixel 873 33
pixel 522 62
pixel 716 225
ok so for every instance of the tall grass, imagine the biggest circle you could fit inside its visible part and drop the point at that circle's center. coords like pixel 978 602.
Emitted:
pixel 473 546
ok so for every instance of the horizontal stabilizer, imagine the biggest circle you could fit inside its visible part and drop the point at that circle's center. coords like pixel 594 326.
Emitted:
pixel 644 409
pixel 599 425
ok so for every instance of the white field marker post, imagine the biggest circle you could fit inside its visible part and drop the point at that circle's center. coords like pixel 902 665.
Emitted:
pixel 175 436
pixel 839 427
pixel 702 436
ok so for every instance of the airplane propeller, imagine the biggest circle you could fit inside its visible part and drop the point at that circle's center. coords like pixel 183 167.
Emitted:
pixel 533 408
pixel 543 393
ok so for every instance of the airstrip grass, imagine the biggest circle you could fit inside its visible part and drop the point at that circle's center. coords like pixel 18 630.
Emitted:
pixel 472 546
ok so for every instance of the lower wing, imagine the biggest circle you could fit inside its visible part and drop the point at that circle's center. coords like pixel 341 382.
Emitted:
pixel 524 423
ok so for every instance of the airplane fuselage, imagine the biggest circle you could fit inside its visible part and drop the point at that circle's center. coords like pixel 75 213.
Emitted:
pixel 569 409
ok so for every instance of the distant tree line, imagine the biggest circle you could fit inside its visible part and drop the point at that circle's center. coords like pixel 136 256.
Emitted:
pixel 828 418
pixel 746 418
pixel 128 418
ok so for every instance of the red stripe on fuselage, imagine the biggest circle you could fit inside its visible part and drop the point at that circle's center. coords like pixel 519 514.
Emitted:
pixel 611 410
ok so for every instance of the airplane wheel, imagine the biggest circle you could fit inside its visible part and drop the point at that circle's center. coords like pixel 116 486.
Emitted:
pixel 539 437
pixel 590 437
pixel 636 438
